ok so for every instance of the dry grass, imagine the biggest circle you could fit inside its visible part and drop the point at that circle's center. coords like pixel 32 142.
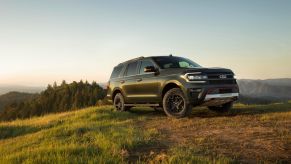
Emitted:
pixel 250 134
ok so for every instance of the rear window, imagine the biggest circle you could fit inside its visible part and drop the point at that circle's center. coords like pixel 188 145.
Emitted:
pixel 116 72
pixel 131 69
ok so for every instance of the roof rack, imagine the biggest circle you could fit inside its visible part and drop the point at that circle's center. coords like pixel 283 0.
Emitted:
pixel 134 59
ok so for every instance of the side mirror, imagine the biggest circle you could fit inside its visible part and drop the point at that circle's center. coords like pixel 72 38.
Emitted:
pixel 150 69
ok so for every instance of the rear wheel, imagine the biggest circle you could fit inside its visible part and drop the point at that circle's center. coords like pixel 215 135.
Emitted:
pixel 119 103
pixel 175 104
pixel 225 108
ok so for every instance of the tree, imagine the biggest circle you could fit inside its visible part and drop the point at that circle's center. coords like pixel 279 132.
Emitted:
pixel 56 99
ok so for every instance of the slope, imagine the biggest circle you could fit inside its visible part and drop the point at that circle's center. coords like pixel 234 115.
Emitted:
pixel 99 134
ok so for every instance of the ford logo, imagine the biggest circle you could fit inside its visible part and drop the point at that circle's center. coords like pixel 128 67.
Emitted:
pixel 222 76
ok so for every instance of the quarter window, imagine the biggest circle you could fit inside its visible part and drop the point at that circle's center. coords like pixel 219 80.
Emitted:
pixel 116 72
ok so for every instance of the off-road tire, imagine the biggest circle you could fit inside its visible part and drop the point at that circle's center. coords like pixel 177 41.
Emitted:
pixel 175 104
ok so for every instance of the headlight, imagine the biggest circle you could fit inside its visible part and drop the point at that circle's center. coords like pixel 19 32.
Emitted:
pixel 196 77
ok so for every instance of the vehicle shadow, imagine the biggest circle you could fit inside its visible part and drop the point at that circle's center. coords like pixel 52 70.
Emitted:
pixel 241 110
pixel 147 112
pixel 15 131
pixel 204 112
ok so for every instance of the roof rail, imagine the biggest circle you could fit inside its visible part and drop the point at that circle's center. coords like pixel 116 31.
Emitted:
pixel 134 59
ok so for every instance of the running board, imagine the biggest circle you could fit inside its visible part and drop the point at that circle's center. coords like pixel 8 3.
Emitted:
pixel 140 105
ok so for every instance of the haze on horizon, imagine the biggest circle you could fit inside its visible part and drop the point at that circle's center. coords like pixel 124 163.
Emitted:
pixel 46 41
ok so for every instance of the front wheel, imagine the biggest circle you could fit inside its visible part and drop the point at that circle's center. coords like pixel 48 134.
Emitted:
pixel 225 108
pixel 175 104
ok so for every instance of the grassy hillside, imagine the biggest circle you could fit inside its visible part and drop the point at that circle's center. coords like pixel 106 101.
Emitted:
pixel 99 134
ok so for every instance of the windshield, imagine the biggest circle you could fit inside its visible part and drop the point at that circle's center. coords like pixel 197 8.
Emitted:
pixel 175 62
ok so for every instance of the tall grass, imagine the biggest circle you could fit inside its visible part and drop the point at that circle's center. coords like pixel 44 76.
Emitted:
pixel 89 135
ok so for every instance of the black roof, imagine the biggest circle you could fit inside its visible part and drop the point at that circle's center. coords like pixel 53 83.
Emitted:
pixel 138 58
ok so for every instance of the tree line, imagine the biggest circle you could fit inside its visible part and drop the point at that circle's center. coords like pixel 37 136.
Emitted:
pixel 64 97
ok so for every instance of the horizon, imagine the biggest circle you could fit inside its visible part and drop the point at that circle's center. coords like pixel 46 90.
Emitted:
pixel 102 83
pixel 43 42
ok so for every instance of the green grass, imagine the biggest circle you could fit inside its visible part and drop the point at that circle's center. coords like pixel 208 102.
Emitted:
pixel 102 135
pixel 89 135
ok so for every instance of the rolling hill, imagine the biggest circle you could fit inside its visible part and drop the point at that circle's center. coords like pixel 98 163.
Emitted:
pixel 271 88
pixel 14 97
pixel 19 88
pixel 250 134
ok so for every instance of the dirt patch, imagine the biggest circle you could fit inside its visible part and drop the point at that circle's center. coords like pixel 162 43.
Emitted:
pixel 147 151
pixel 244 138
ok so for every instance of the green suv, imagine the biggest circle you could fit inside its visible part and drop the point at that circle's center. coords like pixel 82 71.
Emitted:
pixel 171 83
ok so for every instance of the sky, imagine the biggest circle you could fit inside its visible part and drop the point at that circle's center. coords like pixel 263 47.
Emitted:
pixel 45 41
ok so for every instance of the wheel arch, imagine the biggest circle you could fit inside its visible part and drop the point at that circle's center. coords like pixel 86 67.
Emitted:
pixel 115 91
pixel 170 85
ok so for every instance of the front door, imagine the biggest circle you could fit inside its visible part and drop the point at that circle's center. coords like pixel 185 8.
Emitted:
pixel 147 87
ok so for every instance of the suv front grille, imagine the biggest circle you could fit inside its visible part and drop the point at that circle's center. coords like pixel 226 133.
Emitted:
pixel 225 90
pixel 232 81
pixel 217 75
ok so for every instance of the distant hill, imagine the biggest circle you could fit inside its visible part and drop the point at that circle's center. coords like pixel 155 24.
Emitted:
pixel 279 82
pixel 270 90
pixel 18 88
pixel 14 97
pixel 277 88
pixel 103 85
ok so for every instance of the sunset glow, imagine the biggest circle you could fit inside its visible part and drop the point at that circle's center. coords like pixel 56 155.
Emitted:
pixel 46 41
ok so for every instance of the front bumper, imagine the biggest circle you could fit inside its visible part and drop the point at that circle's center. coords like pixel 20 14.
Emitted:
pixel 220 96
pixel 209 95
pixel 219 99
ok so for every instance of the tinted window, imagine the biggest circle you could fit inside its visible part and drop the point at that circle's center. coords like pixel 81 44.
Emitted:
pixel 144 64
pixel 116 72
pixel 175 62
pixel 131 69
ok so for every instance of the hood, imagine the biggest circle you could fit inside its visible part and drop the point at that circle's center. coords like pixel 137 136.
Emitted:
pixel 202 70
pixel 209 70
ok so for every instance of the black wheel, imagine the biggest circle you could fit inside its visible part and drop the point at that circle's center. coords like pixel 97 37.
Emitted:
pixel 225 108
pixel 175 104
pixel 119 103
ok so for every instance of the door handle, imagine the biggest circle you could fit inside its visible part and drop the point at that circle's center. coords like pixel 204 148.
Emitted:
pixel 138 80
pixel 122 81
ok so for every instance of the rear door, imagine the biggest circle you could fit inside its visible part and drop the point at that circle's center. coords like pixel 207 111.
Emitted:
pixel 129 83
